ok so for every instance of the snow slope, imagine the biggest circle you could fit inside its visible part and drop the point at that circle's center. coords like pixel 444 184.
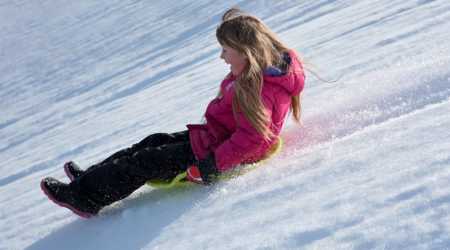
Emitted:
pixel 368 169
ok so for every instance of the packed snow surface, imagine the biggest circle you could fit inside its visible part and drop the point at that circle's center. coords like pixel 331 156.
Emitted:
pixel 369 168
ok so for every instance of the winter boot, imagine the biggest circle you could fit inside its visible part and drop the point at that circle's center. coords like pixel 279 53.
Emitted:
pixel 63 195
pixel 72 170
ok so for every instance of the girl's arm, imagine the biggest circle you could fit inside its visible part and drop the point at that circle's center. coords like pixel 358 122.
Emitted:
pixel 242 144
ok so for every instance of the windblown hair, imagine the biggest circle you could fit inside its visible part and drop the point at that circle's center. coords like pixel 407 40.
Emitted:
pixel 261 47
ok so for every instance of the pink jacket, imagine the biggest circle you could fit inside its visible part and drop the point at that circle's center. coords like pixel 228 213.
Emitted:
pixel 232 139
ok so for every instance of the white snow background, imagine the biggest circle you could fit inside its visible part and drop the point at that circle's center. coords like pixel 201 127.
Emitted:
pixel 368 169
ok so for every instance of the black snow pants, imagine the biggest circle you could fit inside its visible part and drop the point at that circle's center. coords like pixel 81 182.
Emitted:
pixel 159 156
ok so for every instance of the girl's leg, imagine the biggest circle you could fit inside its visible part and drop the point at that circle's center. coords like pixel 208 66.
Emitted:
pixel 73 171
pixel 153 140
pixel 122 173
pixel 116 179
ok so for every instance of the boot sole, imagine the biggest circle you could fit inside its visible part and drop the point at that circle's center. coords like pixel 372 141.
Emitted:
pixel 62 204
pixel 67 171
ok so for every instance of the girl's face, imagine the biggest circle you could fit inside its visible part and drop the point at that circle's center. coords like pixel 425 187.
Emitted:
pixel 236 60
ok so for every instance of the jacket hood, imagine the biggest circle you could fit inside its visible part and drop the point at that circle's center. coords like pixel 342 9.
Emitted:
pixel 292 80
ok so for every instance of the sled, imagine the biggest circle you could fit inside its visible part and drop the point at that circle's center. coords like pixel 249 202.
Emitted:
pixel 181 179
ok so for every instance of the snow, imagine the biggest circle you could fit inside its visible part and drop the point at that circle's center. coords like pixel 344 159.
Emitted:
pixel 368 169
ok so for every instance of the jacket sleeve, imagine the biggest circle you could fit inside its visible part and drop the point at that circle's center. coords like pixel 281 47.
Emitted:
pixel 242 144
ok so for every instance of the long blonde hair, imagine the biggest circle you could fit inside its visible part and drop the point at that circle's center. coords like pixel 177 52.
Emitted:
pixel 252 38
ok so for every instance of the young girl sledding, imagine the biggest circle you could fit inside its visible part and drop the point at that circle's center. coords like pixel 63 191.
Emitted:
pixel 242 124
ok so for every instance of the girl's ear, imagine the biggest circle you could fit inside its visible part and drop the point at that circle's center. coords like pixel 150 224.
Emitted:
pixel 244 54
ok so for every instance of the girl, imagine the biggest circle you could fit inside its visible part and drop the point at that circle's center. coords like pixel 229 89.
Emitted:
pixel 242 124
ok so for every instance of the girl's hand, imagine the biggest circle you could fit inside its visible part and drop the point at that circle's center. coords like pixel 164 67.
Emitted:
pixel 204 171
